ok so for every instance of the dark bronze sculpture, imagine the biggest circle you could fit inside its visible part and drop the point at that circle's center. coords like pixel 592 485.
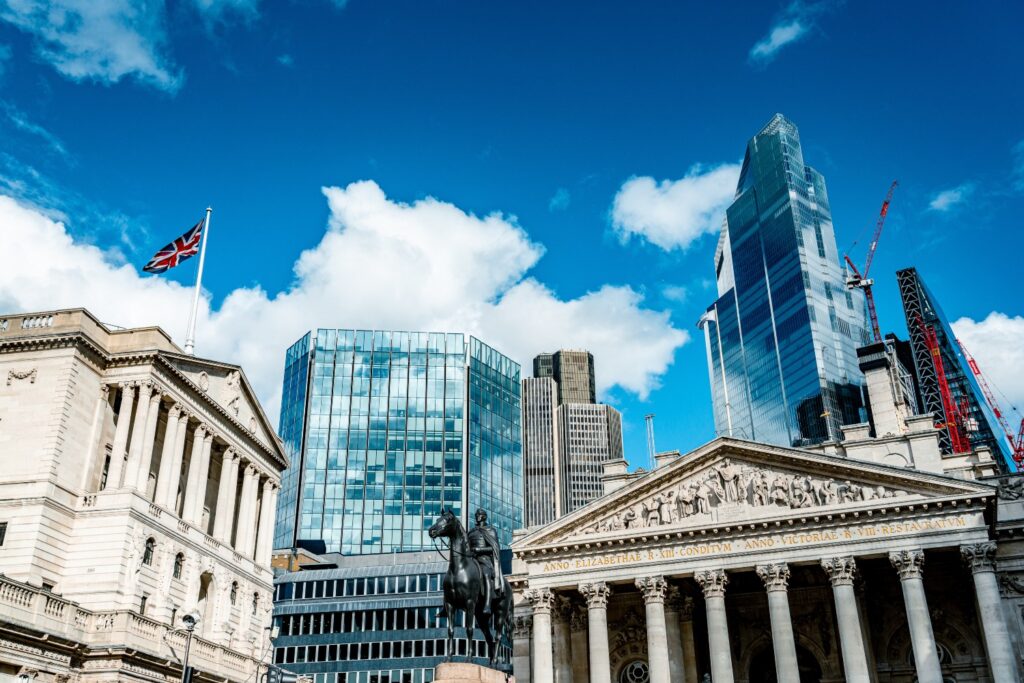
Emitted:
pixel 474 583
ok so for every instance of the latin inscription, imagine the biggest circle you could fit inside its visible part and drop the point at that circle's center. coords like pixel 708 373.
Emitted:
pixel 774 541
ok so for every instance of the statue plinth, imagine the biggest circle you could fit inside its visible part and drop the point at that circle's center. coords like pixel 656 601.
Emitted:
pixel 454 672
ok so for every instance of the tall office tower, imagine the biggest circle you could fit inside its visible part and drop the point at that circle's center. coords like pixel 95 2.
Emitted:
pixel 782 337
pixel 590 435
pixel 978 421
pixel 565 442
pixel 386 428
pixel 541 474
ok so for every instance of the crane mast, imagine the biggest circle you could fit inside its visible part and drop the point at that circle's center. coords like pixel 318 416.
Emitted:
pixel 859 280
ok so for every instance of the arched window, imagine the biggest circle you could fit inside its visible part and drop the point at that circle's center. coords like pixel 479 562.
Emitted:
pixel 234 592
pixel 255 603
pixel 179 562
pixel 147 555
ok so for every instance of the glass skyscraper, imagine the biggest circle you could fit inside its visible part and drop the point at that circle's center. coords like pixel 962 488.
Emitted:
pixel 782 337
pixel 383 429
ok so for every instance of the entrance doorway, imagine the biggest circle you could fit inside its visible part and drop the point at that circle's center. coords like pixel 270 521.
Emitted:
pixel 762 666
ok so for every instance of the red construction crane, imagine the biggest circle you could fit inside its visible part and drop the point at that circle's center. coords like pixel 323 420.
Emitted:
pixel 859 280
pixel 956 415
pixel 1016 441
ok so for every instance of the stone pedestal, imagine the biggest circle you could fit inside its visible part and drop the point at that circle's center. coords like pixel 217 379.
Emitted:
pixel 455 672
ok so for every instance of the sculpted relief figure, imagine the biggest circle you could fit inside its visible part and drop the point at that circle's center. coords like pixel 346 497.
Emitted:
pixel 730 476
pixel 761 488
pixel 684 500
pixel 802 495
pixel 780 490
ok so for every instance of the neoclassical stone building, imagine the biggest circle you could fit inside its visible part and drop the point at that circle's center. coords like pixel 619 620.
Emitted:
pixel 746 562
pixel 137 484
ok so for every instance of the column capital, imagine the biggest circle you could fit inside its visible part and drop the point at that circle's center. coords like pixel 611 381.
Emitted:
pixel 269 485
pixel 774 575
pixel 541 599
pixel 841 570
pixel 522 626
pixel 126 385
pixel 654 588
pixel 104 391
pixel 201 430
pixel 909 563
pixel 175 410
pixel 596 594
pixel 251 469
pixel 979 557
pixel 230 454
pixel 712 582
pixel 145 387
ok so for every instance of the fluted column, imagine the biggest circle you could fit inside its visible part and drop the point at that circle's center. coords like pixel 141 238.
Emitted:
pixel 195 473
pixel 542 601
pixel 910 564
pixel 776 581
pixel 98 420
pixel 980 559
pixel 224 518
pixel 131 471
pixel 148 441
pixel 246 536
pixel 265 540
pixel 673 634
pixel 689 644
pixel 163 477
pixel 578 637
pixel 124 423
pixel 560 615
pixel 596 595
pixel 713 583
pixel 522 629
pixel 841 572
pixel 654 589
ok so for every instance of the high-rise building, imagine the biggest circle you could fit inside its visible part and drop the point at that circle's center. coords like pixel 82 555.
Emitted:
pixel 137 488
pixel 386 428
pixel 982 428
pixel 565 442
pixel 782 337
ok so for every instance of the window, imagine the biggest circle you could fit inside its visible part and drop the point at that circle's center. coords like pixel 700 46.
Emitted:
pixel 234 592
pixel 147 555
pixel 3 532
pixel 179 562
pixel 142 604
pixel 174 616
pixel 255 603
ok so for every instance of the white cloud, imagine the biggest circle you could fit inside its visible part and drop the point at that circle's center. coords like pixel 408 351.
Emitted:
pixel 779 37
pixel 1018 166
pixel 947 200
pixel 560 200
pixel 100 40
pixel 673 214
pixel 380 264
pixel 676 293
pixel 995 343
pixel 286 60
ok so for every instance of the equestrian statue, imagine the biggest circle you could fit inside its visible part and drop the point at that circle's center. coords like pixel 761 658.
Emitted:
pixel 474 583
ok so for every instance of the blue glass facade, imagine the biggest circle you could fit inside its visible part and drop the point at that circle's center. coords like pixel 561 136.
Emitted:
pixel 390 427
pixel 781 339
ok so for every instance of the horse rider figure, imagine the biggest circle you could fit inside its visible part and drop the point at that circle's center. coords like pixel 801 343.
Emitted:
pixel 483 542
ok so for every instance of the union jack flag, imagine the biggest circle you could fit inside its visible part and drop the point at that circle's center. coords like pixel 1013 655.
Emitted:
pixel 181 249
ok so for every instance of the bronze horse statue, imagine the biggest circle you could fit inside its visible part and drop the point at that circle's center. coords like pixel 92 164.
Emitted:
pixel 464 590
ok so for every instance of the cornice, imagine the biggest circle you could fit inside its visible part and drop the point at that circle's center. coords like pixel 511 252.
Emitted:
pixel 93 351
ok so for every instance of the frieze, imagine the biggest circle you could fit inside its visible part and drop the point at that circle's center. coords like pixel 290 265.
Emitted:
pixel 731 490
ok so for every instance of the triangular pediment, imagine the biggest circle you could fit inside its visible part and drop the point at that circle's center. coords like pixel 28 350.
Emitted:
pixel 729 482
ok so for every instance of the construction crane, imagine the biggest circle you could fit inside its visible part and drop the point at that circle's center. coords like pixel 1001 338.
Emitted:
pixel 956 414
pixel 651 451
pixel 1016 441
pixel 859 280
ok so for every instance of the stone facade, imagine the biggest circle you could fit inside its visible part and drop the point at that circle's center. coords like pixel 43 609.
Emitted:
pixel 747 562
pixel 138 485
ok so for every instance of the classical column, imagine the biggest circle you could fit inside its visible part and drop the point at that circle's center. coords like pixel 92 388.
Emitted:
pixel 522 627
pixel 131 471
pixel 224 517
pixel 179 456
pixel 578 630
pixel 247 511
pixel 124 422
pixel 841 572
pixel 148 441
pixel 543 664
pixel 163 477
pixel 98 415
pixel 265 539
pixel 776 581
pixel 673 633
pixel 654 589
pixel 980 558
pixel 561 614
pixel 713 582
pixel 909 564
pixel 689 644
pixel 195 466
pixel 596 595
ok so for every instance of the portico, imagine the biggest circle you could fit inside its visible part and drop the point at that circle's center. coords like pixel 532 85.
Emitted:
pixel 764 559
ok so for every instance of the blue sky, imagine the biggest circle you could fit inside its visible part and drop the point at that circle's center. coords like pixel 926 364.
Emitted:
pixel 525 121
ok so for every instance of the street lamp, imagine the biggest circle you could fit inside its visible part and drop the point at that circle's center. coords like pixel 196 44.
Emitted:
pixel 189 620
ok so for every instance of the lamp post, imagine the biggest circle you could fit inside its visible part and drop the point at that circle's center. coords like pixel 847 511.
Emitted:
pixel 190 621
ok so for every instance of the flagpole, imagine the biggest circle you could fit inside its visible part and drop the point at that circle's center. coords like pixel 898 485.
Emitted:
pixel 190 338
